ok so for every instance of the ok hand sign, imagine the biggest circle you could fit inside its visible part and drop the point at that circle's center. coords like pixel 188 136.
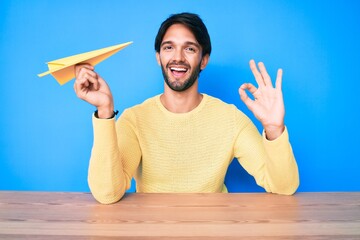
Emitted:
pixel 268 104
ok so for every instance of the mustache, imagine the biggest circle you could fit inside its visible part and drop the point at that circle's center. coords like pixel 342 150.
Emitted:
pixel 178 64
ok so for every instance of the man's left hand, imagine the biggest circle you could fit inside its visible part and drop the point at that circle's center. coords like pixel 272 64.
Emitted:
pixel 268 104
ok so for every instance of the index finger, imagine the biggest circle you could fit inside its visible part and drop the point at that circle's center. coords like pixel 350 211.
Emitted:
pixel 82 65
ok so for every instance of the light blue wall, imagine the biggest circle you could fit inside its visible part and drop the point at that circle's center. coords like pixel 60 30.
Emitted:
pixel 46 132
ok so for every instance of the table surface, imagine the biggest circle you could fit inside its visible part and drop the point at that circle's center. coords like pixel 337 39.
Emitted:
pixel 57 215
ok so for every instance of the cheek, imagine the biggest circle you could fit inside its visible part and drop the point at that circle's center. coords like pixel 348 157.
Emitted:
pixel 196 61
pixel 163 61
pixel 165 55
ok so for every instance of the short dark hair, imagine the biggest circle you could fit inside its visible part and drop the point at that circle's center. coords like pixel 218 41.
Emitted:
pixel 193 22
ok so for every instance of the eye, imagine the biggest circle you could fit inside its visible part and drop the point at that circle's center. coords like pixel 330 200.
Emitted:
pixel 190 49
pixel 167 47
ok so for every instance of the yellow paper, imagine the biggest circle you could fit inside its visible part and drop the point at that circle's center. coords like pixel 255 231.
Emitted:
pixel 63 69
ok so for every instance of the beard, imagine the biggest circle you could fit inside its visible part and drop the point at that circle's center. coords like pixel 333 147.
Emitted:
pixel 176 85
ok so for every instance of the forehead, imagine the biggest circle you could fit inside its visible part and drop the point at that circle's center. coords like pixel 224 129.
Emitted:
pixel 179 33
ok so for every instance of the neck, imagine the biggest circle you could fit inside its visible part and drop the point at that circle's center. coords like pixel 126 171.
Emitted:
pixel 181 102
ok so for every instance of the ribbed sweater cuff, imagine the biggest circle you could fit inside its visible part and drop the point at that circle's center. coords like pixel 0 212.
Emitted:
pixel 274 146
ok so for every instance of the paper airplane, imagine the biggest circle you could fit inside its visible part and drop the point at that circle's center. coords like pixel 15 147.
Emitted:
pixel 63 69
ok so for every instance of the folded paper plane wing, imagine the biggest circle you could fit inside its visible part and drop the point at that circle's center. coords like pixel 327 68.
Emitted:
pixel 63 69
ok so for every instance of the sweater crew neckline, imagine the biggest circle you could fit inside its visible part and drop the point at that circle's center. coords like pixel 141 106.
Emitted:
pixel 172 114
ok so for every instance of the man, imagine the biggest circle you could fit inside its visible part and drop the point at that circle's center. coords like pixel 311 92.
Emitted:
pixel 182 140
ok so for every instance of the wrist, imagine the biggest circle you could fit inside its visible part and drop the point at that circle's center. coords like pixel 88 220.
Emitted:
pixel 273 132
pixel 112 116
pixel 105 113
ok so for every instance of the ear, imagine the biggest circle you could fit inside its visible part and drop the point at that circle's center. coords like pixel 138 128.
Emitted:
pixel 158 58
pixel 204 61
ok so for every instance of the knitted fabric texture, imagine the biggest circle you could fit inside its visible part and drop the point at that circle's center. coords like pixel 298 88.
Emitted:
pixel 187 152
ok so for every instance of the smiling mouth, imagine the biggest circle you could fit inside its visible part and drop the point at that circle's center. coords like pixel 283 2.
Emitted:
pixel 178 71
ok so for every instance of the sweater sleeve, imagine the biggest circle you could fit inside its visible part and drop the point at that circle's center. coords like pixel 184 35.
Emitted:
pixel 114 159
pixel 271 163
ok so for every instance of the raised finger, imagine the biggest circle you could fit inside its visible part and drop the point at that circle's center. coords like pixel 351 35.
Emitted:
pixel 258 77
pixel 278 82
pixel 264 74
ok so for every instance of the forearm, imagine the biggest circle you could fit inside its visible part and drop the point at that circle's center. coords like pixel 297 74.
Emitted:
pixel 106 177
pixel 282 174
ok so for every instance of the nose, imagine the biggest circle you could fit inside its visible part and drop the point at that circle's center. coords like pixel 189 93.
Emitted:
pixel 178 55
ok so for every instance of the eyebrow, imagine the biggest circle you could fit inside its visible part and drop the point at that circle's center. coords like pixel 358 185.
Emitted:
pixel 186 43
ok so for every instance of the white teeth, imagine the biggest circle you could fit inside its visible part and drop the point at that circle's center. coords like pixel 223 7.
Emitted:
pixel 178 69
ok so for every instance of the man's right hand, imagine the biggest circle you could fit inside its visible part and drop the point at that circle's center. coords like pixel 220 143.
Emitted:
pixel 90 87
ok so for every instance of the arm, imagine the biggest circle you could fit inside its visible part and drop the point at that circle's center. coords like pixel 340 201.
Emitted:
pixel 108 176
pixel 275 167
pixel 271 163
pixel 115 157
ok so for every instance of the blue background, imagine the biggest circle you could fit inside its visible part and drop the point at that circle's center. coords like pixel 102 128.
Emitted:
pixel 46 132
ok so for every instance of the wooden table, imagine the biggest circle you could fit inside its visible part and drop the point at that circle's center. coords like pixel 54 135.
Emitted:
pixel 55 215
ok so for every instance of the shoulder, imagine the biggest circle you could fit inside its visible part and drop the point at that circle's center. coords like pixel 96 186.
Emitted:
pixel 217 102
pixel 146 106
pixel 219 105
pixel 227 110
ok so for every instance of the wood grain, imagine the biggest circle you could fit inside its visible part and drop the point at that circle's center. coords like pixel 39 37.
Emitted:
pixel 56 215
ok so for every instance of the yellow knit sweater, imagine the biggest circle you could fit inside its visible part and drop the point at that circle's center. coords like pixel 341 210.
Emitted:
pixel 187 152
